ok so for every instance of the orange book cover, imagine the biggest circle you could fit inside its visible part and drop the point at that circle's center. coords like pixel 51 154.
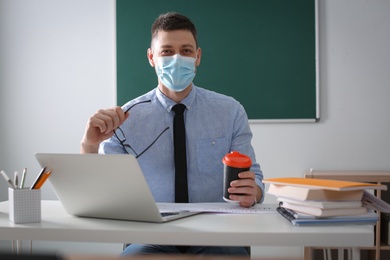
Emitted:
pixel 324 184
pixel 304 193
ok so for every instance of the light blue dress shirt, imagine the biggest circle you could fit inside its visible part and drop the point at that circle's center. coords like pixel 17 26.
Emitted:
pixel 215 125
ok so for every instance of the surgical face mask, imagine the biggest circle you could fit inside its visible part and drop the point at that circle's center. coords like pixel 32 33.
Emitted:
pixel 176 72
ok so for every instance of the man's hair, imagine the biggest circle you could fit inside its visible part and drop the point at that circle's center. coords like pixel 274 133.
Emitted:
pixel 173 21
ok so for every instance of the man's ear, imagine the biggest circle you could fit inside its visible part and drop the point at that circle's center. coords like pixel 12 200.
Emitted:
pixel 198 56
pixel 149 54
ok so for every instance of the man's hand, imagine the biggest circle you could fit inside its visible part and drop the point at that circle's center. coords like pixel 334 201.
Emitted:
pixel 249 192
pixel 100 127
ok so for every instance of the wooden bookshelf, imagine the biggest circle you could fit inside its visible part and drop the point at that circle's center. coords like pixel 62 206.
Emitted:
pixel 380 177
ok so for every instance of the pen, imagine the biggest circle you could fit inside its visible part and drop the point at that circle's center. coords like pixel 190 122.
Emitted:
pixel 42 180
pixel 23 178
pixel 16 179
pixel 38 178
pixel 7 179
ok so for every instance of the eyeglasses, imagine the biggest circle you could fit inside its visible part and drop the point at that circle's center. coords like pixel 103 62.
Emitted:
pixel 122 138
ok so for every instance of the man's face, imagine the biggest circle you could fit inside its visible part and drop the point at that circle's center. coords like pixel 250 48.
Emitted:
pixel 168 43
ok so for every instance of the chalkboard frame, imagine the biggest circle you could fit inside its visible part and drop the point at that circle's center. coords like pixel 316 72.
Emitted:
pixel 135 76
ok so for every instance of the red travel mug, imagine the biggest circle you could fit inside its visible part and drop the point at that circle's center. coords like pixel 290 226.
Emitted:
pixel 234 163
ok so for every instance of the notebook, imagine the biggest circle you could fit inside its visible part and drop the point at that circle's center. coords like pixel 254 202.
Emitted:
pixel 110 186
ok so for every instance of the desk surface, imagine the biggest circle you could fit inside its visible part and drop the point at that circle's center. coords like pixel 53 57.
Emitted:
pixel 202 229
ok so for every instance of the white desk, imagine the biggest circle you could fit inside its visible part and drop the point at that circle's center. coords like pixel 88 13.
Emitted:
pixel 203 229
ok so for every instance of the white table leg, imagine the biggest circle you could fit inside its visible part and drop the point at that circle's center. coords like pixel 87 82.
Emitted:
pixel 355 253
pixel 340 255
pixel 18 247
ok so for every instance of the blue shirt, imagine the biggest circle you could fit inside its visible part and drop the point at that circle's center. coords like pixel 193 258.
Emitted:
pixel 215 125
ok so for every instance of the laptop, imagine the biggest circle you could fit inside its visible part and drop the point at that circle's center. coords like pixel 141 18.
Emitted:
pixel 110 186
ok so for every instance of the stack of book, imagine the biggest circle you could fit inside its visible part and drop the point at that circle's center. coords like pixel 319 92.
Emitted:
pixel 305 201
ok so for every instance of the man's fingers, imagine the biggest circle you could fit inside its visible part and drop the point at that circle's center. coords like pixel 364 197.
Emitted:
pixel 107 119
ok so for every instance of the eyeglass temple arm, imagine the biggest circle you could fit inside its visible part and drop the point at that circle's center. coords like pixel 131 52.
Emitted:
pixel 145 101
pixel 155 140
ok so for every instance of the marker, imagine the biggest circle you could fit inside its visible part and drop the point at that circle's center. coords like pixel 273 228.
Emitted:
pixel 16 179
pixel 7 179
pixel 23 178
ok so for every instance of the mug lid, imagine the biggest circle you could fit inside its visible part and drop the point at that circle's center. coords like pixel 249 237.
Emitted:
pixel 237 160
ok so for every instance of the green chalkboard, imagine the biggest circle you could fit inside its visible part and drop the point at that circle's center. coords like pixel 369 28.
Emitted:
pixel 261 52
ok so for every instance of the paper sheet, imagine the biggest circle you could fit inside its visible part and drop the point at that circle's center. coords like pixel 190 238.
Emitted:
pixel 370 201
pixel 217 208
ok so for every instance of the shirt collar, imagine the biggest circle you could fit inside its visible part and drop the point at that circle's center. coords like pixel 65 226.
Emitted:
pixel 167 103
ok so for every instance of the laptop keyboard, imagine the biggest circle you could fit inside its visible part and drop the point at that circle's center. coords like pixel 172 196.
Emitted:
pixel 166 214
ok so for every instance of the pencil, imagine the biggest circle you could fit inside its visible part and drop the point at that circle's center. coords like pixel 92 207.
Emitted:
pixel 42 180
pixel 38 178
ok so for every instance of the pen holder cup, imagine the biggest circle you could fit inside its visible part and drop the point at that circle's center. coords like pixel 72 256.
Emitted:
pixel 24 205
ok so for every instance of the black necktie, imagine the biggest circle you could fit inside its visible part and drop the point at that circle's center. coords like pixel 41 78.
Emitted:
pixel 179 140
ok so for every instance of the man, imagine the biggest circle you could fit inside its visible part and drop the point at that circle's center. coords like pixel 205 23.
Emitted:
pixel 214 126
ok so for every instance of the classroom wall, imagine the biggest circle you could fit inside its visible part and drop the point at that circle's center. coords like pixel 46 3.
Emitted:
pixel 57 67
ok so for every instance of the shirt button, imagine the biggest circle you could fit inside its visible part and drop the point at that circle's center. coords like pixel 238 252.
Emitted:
pixel 213 142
